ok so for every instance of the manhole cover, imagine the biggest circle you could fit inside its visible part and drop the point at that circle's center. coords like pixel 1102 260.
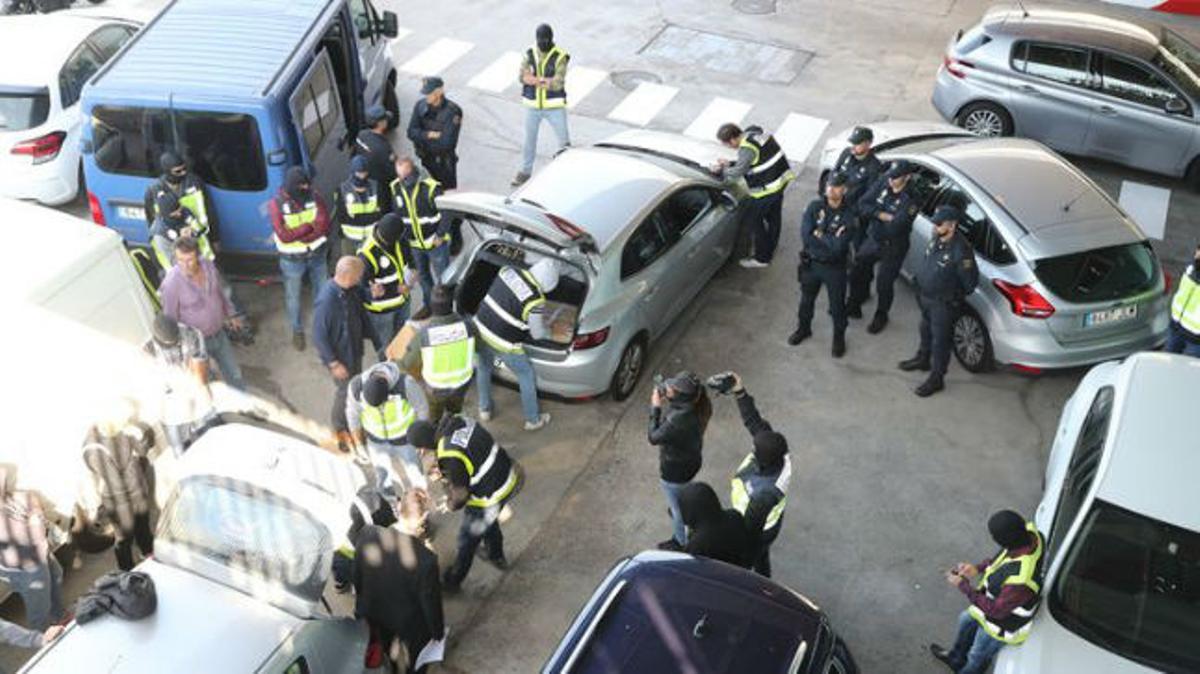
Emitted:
pixel 629 79
pixel 754 6
pixel 726 54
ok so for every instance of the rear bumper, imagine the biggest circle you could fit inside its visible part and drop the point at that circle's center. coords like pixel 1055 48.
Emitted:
pixel 582 374
pixel 1037 348
pixel 949 94
pixel 48 183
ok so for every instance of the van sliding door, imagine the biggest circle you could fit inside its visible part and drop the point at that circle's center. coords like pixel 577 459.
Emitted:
pixel 317 116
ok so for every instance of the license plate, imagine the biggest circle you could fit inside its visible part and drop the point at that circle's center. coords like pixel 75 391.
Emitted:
pixel 511 253
pixel 131 213
pixel 1110 316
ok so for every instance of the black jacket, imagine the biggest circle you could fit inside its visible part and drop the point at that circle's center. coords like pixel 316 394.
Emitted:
pixel 947 270
pixel 830 247
pixel 762 502
pixel 676 430
pixel 396 584
pixel 713 532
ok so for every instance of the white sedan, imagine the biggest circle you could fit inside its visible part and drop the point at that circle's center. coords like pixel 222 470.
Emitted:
pixel 45 59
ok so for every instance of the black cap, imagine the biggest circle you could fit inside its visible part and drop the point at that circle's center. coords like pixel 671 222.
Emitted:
pixel 375 390
pixel 166 330
pixel 544 32
pixel 837 180
pixel 389 228
pixel 169 160
pixel 769 448
pixel 422 435
pixel 899 168
pixel 946 213
pixel 686 385
pixel 441 300
pixel 1008 529
pixel 430 85
pixel 861 134
pixel 375 113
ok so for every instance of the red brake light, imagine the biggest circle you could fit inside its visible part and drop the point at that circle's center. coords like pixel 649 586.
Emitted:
pixel 42 149
pixel 956 67
pixel 1167 280
pixel 1025 300
pixel 565 226
pixel 590 340
pixel 94 207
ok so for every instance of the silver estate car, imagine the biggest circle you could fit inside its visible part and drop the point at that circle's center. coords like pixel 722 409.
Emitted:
pixel 638 224
pixel 1066 277
pixel 1081 82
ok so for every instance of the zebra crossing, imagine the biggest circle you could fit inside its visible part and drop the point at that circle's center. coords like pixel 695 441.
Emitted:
pixel 797 133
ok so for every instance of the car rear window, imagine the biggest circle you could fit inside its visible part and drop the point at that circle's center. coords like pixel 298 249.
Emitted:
pixel 23 110
pixel 1100 275
pixel 224 148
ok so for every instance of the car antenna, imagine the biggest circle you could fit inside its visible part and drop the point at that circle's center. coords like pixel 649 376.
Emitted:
pixel 1024 12
pixel 1067 206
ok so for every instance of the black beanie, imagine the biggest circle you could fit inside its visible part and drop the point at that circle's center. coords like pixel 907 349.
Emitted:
pixel 375 390
pixel 1008 529
pixel 388 229
pixel 169 160
pixel 421 435
pixel 769 448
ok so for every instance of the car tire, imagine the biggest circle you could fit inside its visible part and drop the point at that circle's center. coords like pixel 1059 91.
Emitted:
pixel 391 103
pixel 972 343
pixel 629 369
pixel 985 119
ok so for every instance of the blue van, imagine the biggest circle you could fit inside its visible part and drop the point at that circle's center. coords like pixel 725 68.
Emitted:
pixel 243 89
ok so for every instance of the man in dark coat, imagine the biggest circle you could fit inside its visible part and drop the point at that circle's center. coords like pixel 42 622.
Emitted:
pixel 713 532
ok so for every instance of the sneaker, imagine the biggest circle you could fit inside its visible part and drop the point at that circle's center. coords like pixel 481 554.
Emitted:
pixel 798 336
pixel 520 179
pixel 929 387
pixel 941 655
pixel 854 311
pixel 298 340
pixel 917 362
pixel 542 420
pixel 878 323
pixel 751 263
pixel 485 415
pixel 839 346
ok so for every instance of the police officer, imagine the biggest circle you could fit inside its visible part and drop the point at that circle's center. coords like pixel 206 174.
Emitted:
pixel 381 406
pixel 543 90
pixel 433 130
pixel 386 278
pixel 859 163
pixel 175 221
pixel 765 167
pixel 888 210
pixel 359 206
pixel 188 187
pixel 373 143
pixel 1184 335
pixel 945 276
pixel 443 351
pixel 424 229
pixel 481 480
pixel 300 221
pixel 827 230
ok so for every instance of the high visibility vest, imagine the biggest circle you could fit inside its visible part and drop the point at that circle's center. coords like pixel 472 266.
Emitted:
pixel 361 210
pixel 489 468
pixel 191 198
pixel 1005 570
pixel 166 256
pixel 388 422
pixel 502 317
pixel 747 482
pixel 295 219
pixel 546 66
pixel 447 356
pixel 769 171
pixel 1185 306
pixel 418 210
pixel 148 273
pixel 386 268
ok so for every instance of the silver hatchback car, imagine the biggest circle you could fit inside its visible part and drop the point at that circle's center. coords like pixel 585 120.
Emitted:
pixel 638 224
pixel 1081 82
pixel 1066 277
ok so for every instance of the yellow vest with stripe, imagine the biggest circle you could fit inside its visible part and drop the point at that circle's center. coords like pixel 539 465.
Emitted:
pixel 145 270
pixel 490 472
pixel 361 210
pixel 386 268
pixel 1005 570
pixel 503 317
pixel 748 481
pixel 1185 305
pixel 546 66
pixel 447 356
pixel 418 211
pixel 388 422
pixel 295 219
pixel 769 171
pixel 166 257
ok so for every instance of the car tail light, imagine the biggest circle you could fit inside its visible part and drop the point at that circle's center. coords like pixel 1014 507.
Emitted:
pixel 1026 369
pixel 566 226
pixel 1025 300
pixel 94 207
pixel 956 67
pixel 42 149
pixel 590 340
pixel 1167 281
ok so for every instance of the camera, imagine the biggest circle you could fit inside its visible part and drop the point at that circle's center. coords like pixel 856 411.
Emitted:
pixel 660 384
pixel 721 383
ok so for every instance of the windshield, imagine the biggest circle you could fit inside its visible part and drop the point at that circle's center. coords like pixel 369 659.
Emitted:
pixel 1132 585
pixel 249 529
pixel 1179 59
pixel 1100 275
pixel 23 110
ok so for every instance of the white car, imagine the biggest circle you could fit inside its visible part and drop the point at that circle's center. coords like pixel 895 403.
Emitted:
pixel 241 564
pixel 1121 593
pixel 45 59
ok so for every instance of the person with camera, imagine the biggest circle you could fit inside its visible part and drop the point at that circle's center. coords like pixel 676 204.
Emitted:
pixel 679 414
pixel 760 484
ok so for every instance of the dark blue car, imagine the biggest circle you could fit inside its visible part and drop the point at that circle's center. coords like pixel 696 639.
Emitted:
pixel 667 612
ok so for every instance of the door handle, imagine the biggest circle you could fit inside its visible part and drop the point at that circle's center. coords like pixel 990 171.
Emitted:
pixel 1030 90
pixel 650 293
pixel 1107 110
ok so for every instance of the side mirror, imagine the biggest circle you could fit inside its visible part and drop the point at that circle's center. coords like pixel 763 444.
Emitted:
pixel 1176 106
pixel 390 25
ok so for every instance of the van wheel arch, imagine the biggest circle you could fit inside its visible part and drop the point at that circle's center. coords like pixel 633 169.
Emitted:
pixel 623 382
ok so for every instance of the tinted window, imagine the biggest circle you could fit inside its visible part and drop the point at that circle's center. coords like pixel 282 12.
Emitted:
pixel 300 666
pixel 109 39
pixel 25 110
pixel 923 185
pixel 976 228
pixel 648 242
pixel 1181 60
pixel 360 12
pixel 1100 275
pixel 1082 469
pixel 1131 585
pixel 685 206
pixel 84 63
pixel 1058 64
pixel 1130 81
pixel 224 149
pixel 315 105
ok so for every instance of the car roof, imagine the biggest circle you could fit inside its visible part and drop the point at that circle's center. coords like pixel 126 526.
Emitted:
pixel 33 47
pixel 78 242
pixel 1153 462
pixel 1087 28
pixel 197 623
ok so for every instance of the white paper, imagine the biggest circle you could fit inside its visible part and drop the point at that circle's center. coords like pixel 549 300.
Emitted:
pixel 434 651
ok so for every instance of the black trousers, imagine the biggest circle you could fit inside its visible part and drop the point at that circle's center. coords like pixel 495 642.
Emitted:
pixel 761 224
pixel 937 326
pixel 761 563
pixel 885 280
pixel 831 275
pixel 442 168
pixel 337 413
pixel 140 533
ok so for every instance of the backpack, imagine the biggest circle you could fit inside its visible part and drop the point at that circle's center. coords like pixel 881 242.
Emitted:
pixel 129 595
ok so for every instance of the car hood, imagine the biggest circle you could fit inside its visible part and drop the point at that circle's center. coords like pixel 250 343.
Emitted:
pixel 886 133
pixel 1051 648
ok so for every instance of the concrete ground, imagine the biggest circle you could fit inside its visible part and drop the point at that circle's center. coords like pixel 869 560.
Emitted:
pixel 888 490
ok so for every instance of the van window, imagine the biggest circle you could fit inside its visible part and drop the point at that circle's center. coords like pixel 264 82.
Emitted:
pixel 1131 82
pixel 224 148
pixel 1051 62
pixel 1082 469
pixel 316 105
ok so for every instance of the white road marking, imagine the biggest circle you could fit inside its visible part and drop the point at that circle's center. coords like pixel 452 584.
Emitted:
pixel 500 75
pixel 1147 205
pixel 716 113
pixel 798 135
pixel 581 80
pixel 643 103
pixel 437 57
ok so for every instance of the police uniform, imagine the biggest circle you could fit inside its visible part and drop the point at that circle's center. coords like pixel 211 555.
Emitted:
pixel 437 155
pixel 885 243
pixel 544 59
pixel 386 426
pixel 381 162
pixel 767 490
pixel 427 242
pixel 446 345
pixel 767 175
pixel 357 213
pixel 826 231
pixel 385 264
pixel 861 172
pixel 1184 335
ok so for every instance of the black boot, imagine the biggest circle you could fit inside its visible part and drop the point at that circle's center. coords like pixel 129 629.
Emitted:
pixel 878 323
pixel 854 310
pixel 929 386
pixel 798 336
pixel 941 655
pixel 917 362
pixel 839 345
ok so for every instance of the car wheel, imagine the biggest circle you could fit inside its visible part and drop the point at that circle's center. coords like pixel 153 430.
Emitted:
pixel 985 119
pixel 972 343
pixel 629 369
pixel 391 103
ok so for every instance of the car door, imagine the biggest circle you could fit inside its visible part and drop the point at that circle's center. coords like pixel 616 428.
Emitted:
pixel 372 48
pixel 696 213
pixel 649 259
pixel 317 115
pixel 925 184
pixel 1051 100
pixel 1130 121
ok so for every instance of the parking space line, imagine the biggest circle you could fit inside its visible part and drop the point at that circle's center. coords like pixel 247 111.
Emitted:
pixel 643 103
pixel 798 135
pixel 437 57
pixel 1147 205
pixel 717 112
pixel 498 76
pixel 581 80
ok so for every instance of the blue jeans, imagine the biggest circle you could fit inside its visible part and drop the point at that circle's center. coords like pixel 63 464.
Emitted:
pixel 533 122
pixel 220 350
pixel 672 491
pixel 478 525
pixel 387 324
pixel 520 365
pixel 1179 341
pixel 973 648
pixel 294 268
pixel 438 259
pixel 40 590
